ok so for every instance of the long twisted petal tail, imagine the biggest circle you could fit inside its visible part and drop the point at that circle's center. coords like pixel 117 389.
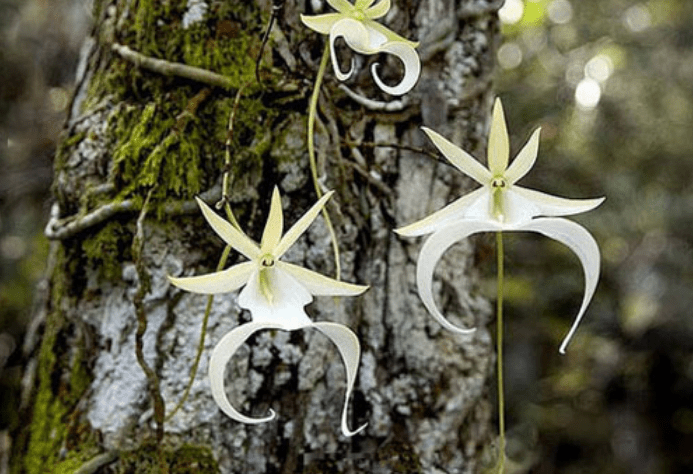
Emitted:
pixel 432 250
pixel 373 38
pixel 232 236
pixel 548 205
pixel 442 217
pixel 222 354
pixel 300 226
pixel 350 350
pixel 462 160
pixel 581 242
pixel 274 226
pixel 318 284
pixel 224 281
pixel 356 36
pixel 498 143
pixel 412 68
pixel 524 160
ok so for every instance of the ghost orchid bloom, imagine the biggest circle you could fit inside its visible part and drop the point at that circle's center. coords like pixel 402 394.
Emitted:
pixel 501 205
pixel 275 293
pixel 355 23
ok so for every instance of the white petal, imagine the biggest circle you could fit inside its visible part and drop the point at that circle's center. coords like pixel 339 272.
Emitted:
pixel 454 211
pixel 318 284
pixel 300 226
pixel 412 67
pixel 431 252
pixel 321 23
pixel 286 302
pixel 363 4
pixel 378 10
pixel 274 226
pixel 381 34
pixel 462 160
pixel 224 281
pixel 583 245
pixel 232 236
pixel 498 146
pixel 357 38
pixel 222 354
pixel 548 205
pixel 342 6
pixel 524 160
pixel 517 208
pixel 350 350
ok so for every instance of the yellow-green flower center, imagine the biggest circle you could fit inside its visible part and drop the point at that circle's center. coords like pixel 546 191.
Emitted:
pixel 358 14
pixel 499 185
pixel 266 263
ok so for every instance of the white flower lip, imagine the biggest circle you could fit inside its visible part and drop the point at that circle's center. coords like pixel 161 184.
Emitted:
pixel 355 23
pixel 275 293
pixel 501 205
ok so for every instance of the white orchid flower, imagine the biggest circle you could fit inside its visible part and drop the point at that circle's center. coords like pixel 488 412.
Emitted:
pixel 355 23
pixel 501 205
pixel 275 293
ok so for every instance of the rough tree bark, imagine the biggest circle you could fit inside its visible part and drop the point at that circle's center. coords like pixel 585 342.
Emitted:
pixel 88 403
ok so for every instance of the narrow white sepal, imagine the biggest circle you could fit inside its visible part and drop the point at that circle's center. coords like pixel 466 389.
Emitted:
pixel 224 281
pixel 581 242
pixel 454 211
pixel 498 142
pixel 274 225
pixel 524 160
pixel 462 160
pixel 300 226
pixel 232 236
pixel 222 354
pixel 431 251
pixel 350 350
pixel 549 205
pixel 321 23
pixel 342 6
pixel 318 284
pixel 378 10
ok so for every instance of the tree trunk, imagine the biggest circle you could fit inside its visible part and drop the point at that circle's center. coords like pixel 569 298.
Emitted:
pixel 137 130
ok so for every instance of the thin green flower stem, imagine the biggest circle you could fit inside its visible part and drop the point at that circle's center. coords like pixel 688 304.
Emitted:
pixel 499 350
pixel 203 334
pixel 312 111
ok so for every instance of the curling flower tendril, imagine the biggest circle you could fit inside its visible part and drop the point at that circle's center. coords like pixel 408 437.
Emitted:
pixel 501 205
pixel 356 24
pixel 275 293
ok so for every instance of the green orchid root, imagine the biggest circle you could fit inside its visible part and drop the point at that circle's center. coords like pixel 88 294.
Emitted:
pixel 312 111
pixel 499 350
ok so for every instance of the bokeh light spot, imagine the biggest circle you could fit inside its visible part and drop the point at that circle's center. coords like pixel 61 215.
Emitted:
pixel 587 93
pixel 637 18
pixel 560 11
pixel 511 11
pixel 599 68
pixel 509 55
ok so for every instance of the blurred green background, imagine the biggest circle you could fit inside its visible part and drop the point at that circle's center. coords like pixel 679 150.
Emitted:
pixel 611 84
